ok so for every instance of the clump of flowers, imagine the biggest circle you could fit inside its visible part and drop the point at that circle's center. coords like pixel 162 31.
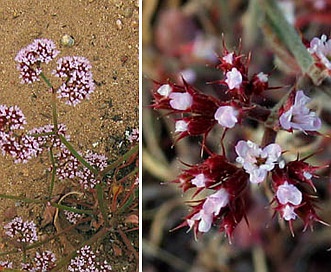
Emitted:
pixel 72 217
pixel 132 136
pixel 76 72
pixel 23 231
pixel 86 177
pixel 29 59
pixel 87 261
pixel 77 79
pixel 6 264
pixel 321 49
pixel 85 170
pixel 42 262
pixel 221 186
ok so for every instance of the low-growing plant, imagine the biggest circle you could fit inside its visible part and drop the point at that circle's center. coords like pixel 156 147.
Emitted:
pixel 100 198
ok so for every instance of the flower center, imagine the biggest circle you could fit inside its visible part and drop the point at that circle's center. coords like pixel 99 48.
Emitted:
pixel 260 161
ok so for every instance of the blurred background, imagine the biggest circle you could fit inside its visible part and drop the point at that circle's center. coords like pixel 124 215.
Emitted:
pixel 183 39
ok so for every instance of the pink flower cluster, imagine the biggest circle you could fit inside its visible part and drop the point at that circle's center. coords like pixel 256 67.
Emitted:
pixel 76 72
pixel 24 231
pixel 42 262
pixel 6 264
pixel 86 178
pixel 72 217
pixel 223 185
pixel 70 168
pixel 226 204
pixel 86 261
pixel 29 59
pixel 294 188
pixel 132 136
pixel 77 79
pixel 24 146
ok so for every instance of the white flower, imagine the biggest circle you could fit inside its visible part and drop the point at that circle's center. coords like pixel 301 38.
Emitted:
pixel 233 78
pixel 164 90
pixel 216 201
pixel 299 116
pixel 262 77
pixel 199 180
pixel 288 193
pixel 181 126
pixel 189 75
pixel 228 58
pixel 307 175
pixel 256 161
pixel 205 219
pixel 180 101
pixel 204 47
pixel 226 116
pixel 322 48
pixel 319 4
pixel 288 213
pixel 210 208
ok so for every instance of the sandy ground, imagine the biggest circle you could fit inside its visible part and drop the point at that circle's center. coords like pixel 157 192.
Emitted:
pixel 105 32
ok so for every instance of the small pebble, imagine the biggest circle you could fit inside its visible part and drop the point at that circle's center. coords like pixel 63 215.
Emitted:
pixel 119 24
pixel 135 25
pixel 67 40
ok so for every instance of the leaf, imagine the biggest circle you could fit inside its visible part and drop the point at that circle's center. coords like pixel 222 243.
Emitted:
pixel 117 250
pixel 48 215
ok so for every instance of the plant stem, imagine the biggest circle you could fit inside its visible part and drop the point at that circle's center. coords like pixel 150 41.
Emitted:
pixel 49 84
pixel 77 156
pixel 120 160
pixel 102 204
pixel 53 102
pixel 54 112
pixel 128 244
pixel 23 199
pixel 55 205
pixel 288 35
pixel 51 187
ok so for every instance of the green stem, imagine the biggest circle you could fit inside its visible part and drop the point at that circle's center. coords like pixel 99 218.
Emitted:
pixel 119 161
pixel 45 202
pixel 288 35
pixel 23 199
pixel 51 187
pixel 24 253
pixel 54 112
pixel 102 204
pixel 77 156
pixel 49 84
pixel 53 102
